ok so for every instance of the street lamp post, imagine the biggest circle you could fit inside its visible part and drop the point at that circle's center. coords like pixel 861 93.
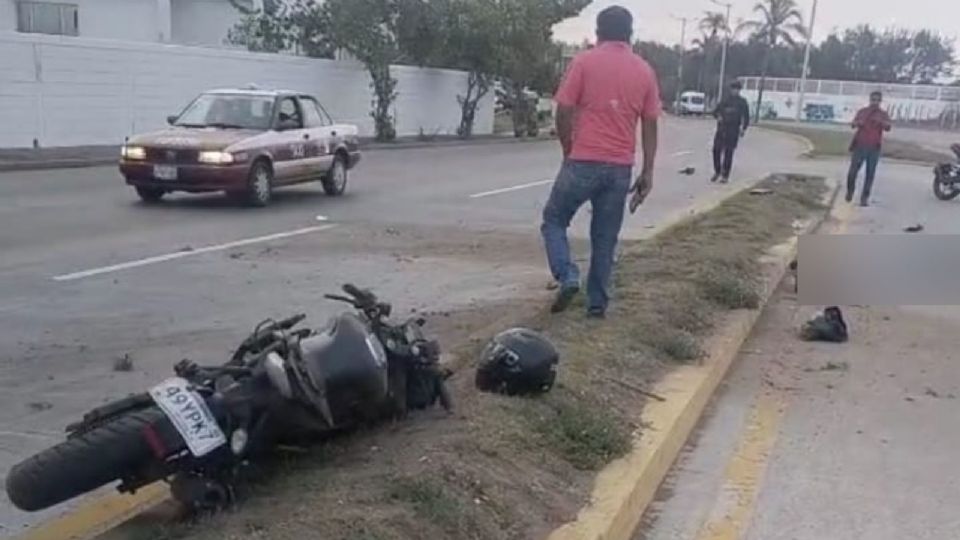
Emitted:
pixel 806 61
pixel 683 42
pixel 726 45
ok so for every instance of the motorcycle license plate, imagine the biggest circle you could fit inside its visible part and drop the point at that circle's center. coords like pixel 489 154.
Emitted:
pixel 190 415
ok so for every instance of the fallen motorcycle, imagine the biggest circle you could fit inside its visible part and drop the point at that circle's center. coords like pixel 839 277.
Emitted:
pixel 198 430
pixel 946 178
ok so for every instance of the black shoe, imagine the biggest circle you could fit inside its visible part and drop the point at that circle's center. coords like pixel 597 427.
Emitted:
pixel 564 298
pixel 849 196
pixel 596 313
pixel 715 177
pixel 864 203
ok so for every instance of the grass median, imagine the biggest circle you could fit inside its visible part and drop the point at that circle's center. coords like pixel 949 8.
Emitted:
pixel 516 468
pixel 834 142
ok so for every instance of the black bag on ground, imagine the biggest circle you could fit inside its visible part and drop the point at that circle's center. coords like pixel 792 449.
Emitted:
pixel 829 327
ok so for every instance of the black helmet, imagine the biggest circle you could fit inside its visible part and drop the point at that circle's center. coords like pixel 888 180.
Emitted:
pixel 517 361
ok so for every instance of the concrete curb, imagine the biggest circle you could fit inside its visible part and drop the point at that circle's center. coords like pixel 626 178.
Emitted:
pixel 112 159
pixel 624 489
pixel 810 151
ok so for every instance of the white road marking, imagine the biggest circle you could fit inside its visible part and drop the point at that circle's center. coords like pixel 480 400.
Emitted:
pixel 180 254
pixel 681 153
pixel 509 189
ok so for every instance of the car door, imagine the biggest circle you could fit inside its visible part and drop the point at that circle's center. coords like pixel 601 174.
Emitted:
pixel 320 147
pixel 340 135
pixel 290 162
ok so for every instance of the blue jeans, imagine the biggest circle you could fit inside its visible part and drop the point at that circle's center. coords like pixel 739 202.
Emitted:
pixel 605 186
pixel 870 156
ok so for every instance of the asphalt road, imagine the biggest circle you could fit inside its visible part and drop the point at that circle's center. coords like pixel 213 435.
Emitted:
pixel 833 442
pixel 88 274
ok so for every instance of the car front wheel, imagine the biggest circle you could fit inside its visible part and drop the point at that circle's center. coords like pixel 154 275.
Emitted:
pixel 150 195
pixel 259 190
pixel 335 182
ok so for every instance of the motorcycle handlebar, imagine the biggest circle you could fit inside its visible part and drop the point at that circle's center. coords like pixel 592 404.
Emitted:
pixel 290 322
pixel 339 298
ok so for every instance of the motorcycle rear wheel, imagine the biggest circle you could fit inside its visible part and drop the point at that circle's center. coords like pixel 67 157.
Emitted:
pixel 945 190
pixel 82 463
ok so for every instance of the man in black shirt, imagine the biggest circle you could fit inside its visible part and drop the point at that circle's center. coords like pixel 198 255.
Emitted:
pixel 733 118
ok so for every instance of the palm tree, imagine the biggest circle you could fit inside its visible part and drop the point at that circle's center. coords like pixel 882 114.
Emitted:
pixel 777 21
pixel 711 25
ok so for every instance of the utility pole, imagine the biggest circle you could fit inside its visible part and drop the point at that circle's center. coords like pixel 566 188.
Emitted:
pixel 683 43
pixel 726 44
pixel 806 62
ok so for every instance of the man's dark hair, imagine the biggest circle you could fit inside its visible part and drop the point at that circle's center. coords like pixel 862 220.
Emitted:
pixel 615 24
pixel 736 85
pixel 877 94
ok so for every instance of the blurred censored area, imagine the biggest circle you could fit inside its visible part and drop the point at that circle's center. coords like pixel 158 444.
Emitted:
pixel 879 270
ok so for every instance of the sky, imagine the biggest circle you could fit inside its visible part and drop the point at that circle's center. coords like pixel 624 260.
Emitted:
pixel 653 19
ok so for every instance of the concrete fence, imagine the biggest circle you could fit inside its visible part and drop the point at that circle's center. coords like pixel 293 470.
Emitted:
pixel 61 91
pixel 839 101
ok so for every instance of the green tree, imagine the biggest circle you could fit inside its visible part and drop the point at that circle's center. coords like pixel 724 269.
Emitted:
pixel 894 55
pixel 469 35
pixel 261 31
pixel 713 26
pixel 527 55
pixel 665 61
pixel 778 21
pixel 932 57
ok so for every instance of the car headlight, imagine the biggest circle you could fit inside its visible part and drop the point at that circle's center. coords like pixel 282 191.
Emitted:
pixel 215 158
pixel 133 152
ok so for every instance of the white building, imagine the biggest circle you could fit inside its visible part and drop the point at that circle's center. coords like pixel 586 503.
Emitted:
pixel 185 22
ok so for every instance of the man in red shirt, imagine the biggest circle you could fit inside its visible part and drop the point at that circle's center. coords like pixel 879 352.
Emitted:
pixel 871 122
pixel 607 90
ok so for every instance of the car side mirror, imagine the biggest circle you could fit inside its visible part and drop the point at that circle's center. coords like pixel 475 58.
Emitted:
pixel 172 119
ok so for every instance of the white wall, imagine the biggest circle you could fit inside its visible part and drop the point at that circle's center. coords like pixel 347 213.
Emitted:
pixel 202 22
pixel 925 111
pixel 8 15
pixel 134 20
pixel 74 91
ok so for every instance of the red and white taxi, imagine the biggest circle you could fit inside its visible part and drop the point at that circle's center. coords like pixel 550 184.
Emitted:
pixel 244 142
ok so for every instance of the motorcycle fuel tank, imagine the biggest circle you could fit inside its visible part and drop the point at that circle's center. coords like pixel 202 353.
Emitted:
pixel 349 364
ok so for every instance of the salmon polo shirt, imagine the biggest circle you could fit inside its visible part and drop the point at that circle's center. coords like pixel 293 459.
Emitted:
pixel 611 89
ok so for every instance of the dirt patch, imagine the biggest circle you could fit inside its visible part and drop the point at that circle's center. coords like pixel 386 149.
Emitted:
pixel 410 243
pixel 507 468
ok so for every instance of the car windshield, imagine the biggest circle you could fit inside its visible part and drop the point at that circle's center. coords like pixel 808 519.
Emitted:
pixel 230 111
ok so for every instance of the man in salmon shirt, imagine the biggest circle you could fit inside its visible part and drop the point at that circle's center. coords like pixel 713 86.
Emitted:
pixel 870 123
pixel 604 94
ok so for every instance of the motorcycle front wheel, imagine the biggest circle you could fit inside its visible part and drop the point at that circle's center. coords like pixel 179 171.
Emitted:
pixel 944 188
pixel 82 463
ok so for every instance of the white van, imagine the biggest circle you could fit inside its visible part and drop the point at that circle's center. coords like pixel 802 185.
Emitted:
pixel 692 103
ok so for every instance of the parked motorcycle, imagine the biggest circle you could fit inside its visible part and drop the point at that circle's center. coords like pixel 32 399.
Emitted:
pixel 199 429
pixel 946 178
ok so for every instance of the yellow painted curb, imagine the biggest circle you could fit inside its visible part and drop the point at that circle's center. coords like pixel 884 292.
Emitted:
pixel 625 488
pixel 99 515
